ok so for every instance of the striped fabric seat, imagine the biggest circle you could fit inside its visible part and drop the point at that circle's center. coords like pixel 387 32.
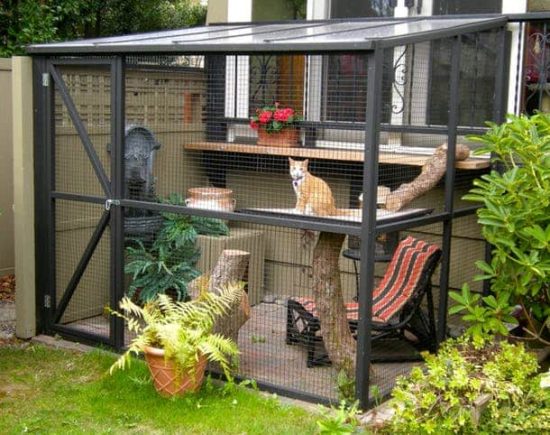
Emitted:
pixel 401 278
pixel 397 286
pixel 407 280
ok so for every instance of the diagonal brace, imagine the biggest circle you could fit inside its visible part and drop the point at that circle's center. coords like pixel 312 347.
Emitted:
pixel 81 267
pixel 81 129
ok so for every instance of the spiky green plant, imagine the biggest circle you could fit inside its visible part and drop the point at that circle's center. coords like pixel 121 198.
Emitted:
pixel 169 263
pixel 182 329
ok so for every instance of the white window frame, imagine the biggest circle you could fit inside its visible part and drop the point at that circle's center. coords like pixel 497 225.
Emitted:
pixel 237 74
pixel 237 91
pixel 321 10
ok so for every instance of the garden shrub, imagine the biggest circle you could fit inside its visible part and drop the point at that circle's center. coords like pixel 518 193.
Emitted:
pixel 442 397
pixel 515 220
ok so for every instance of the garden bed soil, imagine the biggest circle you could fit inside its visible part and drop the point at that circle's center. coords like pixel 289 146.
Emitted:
pixel 7 309
pixel 7 288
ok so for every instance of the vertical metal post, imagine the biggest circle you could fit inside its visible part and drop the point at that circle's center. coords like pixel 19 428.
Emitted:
pixel 43 185
pixel 454 106
pixel 501 79
pixel 368 225
pixel 117 188
pixel 215 66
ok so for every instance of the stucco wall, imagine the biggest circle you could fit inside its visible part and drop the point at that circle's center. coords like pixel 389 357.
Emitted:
pixel 269 10
pixel 538 5
pixel 6 170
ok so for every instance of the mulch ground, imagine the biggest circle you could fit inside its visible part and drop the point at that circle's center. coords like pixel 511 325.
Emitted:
pixel 7 288
pixel 7 296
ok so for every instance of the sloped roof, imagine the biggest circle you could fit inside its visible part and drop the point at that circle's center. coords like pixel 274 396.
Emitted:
pixel 289 36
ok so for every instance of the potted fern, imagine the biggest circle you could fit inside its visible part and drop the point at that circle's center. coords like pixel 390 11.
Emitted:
pixel 177 338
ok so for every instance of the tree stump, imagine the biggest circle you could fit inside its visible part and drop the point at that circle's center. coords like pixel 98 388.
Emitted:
pixel 432 171
pixel 327 291
pixel 230 268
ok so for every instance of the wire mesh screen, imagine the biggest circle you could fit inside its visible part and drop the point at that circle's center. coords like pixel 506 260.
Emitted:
pixel 255 154
pixel 81 127
pixel 88 89
pixel 82 295
pixel 468 246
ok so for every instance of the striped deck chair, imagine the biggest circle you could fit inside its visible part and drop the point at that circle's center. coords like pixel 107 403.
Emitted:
pixel 396 313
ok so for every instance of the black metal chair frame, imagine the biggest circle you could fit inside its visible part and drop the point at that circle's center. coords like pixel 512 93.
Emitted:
pixel 302 327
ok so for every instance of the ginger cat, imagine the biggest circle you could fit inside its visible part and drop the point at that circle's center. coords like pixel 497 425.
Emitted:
pixel 313 195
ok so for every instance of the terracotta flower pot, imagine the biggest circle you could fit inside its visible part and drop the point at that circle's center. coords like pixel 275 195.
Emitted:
pixel 210 198
pixel 166 381
pixel 287 137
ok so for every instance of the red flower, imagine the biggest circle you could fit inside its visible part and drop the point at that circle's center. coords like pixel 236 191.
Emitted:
pixel 283 114
pixel 254 125
pixel 265 117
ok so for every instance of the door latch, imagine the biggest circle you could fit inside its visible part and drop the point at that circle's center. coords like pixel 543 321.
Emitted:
pixel 111 202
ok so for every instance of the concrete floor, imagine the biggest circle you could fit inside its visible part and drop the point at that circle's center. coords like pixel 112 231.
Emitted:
pixel 266 357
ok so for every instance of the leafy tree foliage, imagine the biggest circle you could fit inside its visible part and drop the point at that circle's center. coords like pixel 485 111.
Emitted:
pixel 25 22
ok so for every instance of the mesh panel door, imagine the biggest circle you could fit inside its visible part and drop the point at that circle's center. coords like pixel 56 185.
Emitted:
pixel 80 136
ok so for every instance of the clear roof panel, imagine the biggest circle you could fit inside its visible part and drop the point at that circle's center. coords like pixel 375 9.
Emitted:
pixel 361 34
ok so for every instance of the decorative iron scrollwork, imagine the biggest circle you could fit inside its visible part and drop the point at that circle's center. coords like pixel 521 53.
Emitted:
pixel 400 77
pixel 263 80
pixel 537 69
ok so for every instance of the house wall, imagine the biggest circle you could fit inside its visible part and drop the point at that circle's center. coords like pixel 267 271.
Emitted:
pixel 269 10
pixel 6 170
pixel 538 5
pixel 217 11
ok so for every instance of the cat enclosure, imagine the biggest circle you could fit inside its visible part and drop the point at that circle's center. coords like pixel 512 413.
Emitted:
pixel 332 152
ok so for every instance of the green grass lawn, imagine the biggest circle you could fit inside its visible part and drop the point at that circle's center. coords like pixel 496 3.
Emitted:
pixel 44 390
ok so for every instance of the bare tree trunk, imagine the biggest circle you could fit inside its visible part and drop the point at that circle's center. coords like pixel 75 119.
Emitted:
pixel 432 171
pixel 230 268
pixel 327 291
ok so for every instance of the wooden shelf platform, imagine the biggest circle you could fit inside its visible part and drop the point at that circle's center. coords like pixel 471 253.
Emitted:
pixel 327 154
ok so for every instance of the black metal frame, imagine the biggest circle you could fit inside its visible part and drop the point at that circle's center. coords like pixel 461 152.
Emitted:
pixel 46 194
pixel 47 79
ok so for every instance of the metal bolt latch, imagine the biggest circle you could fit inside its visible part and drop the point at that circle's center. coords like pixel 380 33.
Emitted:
pixel 111 202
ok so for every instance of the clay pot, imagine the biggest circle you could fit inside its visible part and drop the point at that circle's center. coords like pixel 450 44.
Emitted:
pixel 211 198
pixel 287 137
pixel 166 381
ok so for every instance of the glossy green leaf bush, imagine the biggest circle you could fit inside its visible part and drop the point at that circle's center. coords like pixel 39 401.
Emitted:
pixel 515 220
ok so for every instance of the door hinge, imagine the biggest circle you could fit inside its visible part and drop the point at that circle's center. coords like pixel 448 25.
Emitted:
pixel 45 80
pixel 47 301
pixel 111 202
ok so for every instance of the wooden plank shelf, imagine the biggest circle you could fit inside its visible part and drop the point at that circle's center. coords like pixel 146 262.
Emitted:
pixel 327 154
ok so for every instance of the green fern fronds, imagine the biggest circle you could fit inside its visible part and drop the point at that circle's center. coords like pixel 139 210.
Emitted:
pixel 182 329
